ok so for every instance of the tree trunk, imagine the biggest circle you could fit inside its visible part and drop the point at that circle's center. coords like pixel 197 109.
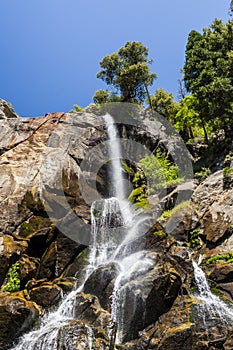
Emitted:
pixel 148 96
pixel 191 133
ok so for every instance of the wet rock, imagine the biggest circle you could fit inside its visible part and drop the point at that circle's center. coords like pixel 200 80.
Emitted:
pixel 35 283
pixel 88 309
pixel 147 298
pixel 183 221
pixel 67 249
pixel 78 266
pixel 46 295
pixel 27 269
pixel 78 335
pixel 101 283
pixel 227 288
pixel 16 316
pixel 66 284
pixel 47 266
pixel 220 273
pixel 183 327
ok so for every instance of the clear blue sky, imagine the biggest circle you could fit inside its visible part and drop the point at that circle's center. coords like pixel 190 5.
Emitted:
pixel 51 49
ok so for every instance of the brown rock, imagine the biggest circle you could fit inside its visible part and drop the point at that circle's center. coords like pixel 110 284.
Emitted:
pixel 220 273
pixel 16 316
pixel 89 310
pixel 101 283
pixel 10 251
pixel 46 295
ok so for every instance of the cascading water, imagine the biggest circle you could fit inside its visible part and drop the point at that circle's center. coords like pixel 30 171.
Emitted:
pixel 114 224
pixel 211 305
pixel 129 261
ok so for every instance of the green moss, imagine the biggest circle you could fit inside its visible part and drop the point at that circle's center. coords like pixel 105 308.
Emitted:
pixel 215 291
pixel 202 174
pixel 128 169
pixel 220 259
pixel 227 172
pixel 193 238
pixel 167 214
pixel 34 224
pixel 138 196
pixel 160 233
pixel 13 284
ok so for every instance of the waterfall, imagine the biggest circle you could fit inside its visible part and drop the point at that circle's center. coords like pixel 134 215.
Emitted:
pixel 129 261
pixel 113 224
pixel 211 305
pixel 117 180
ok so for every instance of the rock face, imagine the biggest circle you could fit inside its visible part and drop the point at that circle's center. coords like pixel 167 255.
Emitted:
pixel 16 316
pixel 51 170
pixel 6 110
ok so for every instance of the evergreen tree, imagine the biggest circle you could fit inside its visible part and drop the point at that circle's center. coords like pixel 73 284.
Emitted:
pixel 208 72
pixel 127 71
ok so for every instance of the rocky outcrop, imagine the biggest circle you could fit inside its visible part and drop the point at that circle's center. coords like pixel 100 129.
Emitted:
pixel 16 316
pixel 51 169
pixel 101 283
pixel 182 328
pixel 6 110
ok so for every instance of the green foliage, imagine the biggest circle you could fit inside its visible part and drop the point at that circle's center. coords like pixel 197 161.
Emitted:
pixel 227 172
pixel 128 72
pixel 155 172
pixel 77 108
pixel 101 96
pixel 163 103
pixel 139 197
pixel 188 115
pixel 202 174
pixel 104 96
pixel 215 291
pixel 220 259
pixel 193 238
pixel 159 169
pixel 167 214
pixel 208 72
pixel 13 284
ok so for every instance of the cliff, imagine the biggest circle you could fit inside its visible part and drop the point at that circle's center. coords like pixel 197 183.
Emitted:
pixel 49 178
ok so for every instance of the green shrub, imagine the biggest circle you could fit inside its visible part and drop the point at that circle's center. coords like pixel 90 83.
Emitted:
pixel 159 169
pixel 13 284
pixel 202 174
pixel 139 197
pixel 220 259
pixel 76 109
pixel 167 214
pixel 193 238
pixel 227 172
pixel 156 170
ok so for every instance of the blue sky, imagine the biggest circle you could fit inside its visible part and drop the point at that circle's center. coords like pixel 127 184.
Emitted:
pixel 51 49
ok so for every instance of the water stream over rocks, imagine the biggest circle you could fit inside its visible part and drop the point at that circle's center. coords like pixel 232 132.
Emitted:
pixel 113 225
pixel 211 305
pixel 113 256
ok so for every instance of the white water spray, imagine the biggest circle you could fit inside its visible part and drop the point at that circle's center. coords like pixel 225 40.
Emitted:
pixel 211 305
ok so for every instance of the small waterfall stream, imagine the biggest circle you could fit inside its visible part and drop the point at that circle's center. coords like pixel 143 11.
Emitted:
pixel 211 305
